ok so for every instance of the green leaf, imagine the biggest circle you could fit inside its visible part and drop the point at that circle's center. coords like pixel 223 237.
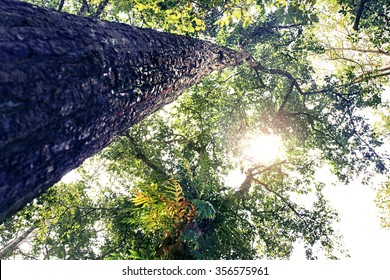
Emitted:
pixel 204 209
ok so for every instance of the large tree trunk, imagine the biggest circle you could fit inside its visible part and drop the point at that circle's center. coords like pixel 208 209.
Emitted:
pixel 70 85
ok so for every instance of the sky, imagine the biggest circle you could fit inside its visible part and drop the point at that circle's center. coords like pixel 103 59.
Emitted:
pixel 359 218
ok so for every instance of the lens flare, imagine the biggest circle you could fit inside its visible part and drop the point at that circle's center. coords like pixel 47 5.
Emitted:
pixel 262 148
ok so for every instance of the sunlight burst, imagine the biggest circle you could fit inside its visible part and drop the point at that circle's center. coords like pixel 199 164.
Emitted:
pixel 262 149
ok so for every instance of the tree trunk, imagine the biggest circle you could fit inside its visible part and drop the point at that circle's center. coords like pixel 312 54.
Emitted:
pixel 70 85
pixel 11 246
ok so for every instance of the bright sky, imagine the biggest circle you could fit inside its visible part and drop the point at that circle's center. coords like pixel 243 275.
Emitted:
pixel 359 219
pixel 360 222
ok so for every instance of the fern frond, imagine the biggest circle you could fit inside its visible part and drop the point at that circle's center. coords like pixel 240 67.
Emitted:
pixel 204 209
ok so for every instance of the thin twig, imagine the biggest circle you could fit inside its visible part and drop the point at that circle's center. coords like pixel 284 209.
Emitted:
pixel 61 5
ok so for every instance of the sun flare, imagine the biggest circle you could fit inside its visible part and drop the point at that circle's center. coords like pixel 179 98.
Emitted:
pixel 262 148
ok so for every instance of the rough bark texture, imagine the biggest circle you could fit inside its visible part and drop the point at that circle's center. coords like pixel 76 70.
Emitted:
pixel 70 85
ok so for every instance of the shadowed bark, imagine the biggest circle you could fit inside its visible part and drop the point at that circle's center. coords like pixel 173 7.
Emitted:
pixel 70 85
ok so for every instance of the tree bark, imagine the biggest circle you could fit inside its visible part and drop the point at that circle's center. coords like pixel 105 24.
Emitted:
pixel 70 85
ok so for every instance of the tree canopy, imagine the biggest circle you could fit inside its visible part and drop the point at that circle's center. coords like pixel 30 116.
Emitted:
pixel 179 185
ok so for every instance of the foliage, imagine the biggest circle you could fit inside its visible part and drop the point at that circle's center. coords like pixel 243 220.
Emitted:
pixel 383 203
pixel 162 208
pixel 373 18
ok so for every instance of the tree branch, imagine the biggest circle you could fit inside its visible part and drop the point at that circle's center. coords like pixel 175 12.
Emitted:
pixel 138 153
pixel 101 8
pixel 284 200
pixel 367 76
pixel 379 51
pixel 84 7
pixel 268 168
pixel 359 14
pixel 285 100
pixel 11 246
pixel 342 57
pixel 257 65
pixel 61 5
pixel 383 72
